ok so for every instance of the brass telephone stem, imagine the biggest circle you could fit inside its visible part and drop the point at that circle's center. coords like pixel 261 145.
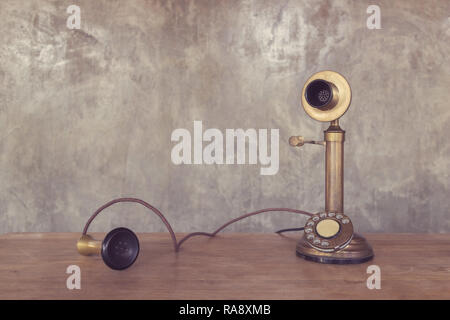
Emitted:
pixel 334 168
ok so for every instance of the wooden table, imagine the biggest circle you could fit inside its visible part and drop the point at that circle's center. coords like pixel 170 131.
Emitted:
pixel 230 266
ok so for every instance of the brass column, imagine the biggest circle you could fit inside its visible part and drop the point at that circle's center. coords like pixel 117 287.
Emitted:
pixel 334 168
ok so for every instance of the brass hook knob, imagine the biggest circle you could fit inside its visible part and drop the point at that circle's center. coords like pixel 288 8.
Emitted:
pixel 296 141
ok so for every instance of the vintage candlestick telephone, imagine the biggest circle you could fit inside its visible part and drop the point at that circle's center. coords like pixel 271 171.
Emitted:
pixel 328 236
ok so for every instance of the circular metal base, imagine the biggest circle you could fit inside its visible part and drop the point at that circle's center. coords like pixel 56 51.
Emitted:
pixel 357 251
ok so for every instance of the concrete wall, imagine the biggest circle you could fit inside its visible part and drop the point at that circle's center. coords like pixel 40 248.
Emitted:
pixel 87 115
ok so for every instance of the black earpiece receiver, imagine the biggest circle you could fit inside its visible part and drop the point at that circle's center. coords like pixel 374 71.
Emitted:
pixel 120 247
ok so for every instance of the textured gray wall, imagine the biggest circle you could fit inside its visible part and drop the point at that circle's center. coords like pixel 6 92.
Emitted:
pixel 87 115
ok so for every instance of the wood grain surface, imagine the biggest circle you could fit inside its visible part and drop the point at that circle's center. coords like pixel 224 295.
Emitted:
pixel 230 266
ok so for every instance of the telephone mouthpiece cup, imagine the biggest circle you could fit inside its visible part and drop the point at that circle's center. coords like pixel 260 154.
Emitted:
pixel 120 248
pixel 318 93
pixel 326 96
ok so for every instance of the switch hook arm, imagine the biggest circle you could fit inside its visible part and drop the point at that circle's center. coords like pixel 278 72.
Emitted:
pixel 298 141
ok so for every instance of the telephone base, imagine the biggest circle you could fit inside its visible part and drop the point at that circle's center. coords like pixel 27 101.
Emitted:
pixel 357 251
